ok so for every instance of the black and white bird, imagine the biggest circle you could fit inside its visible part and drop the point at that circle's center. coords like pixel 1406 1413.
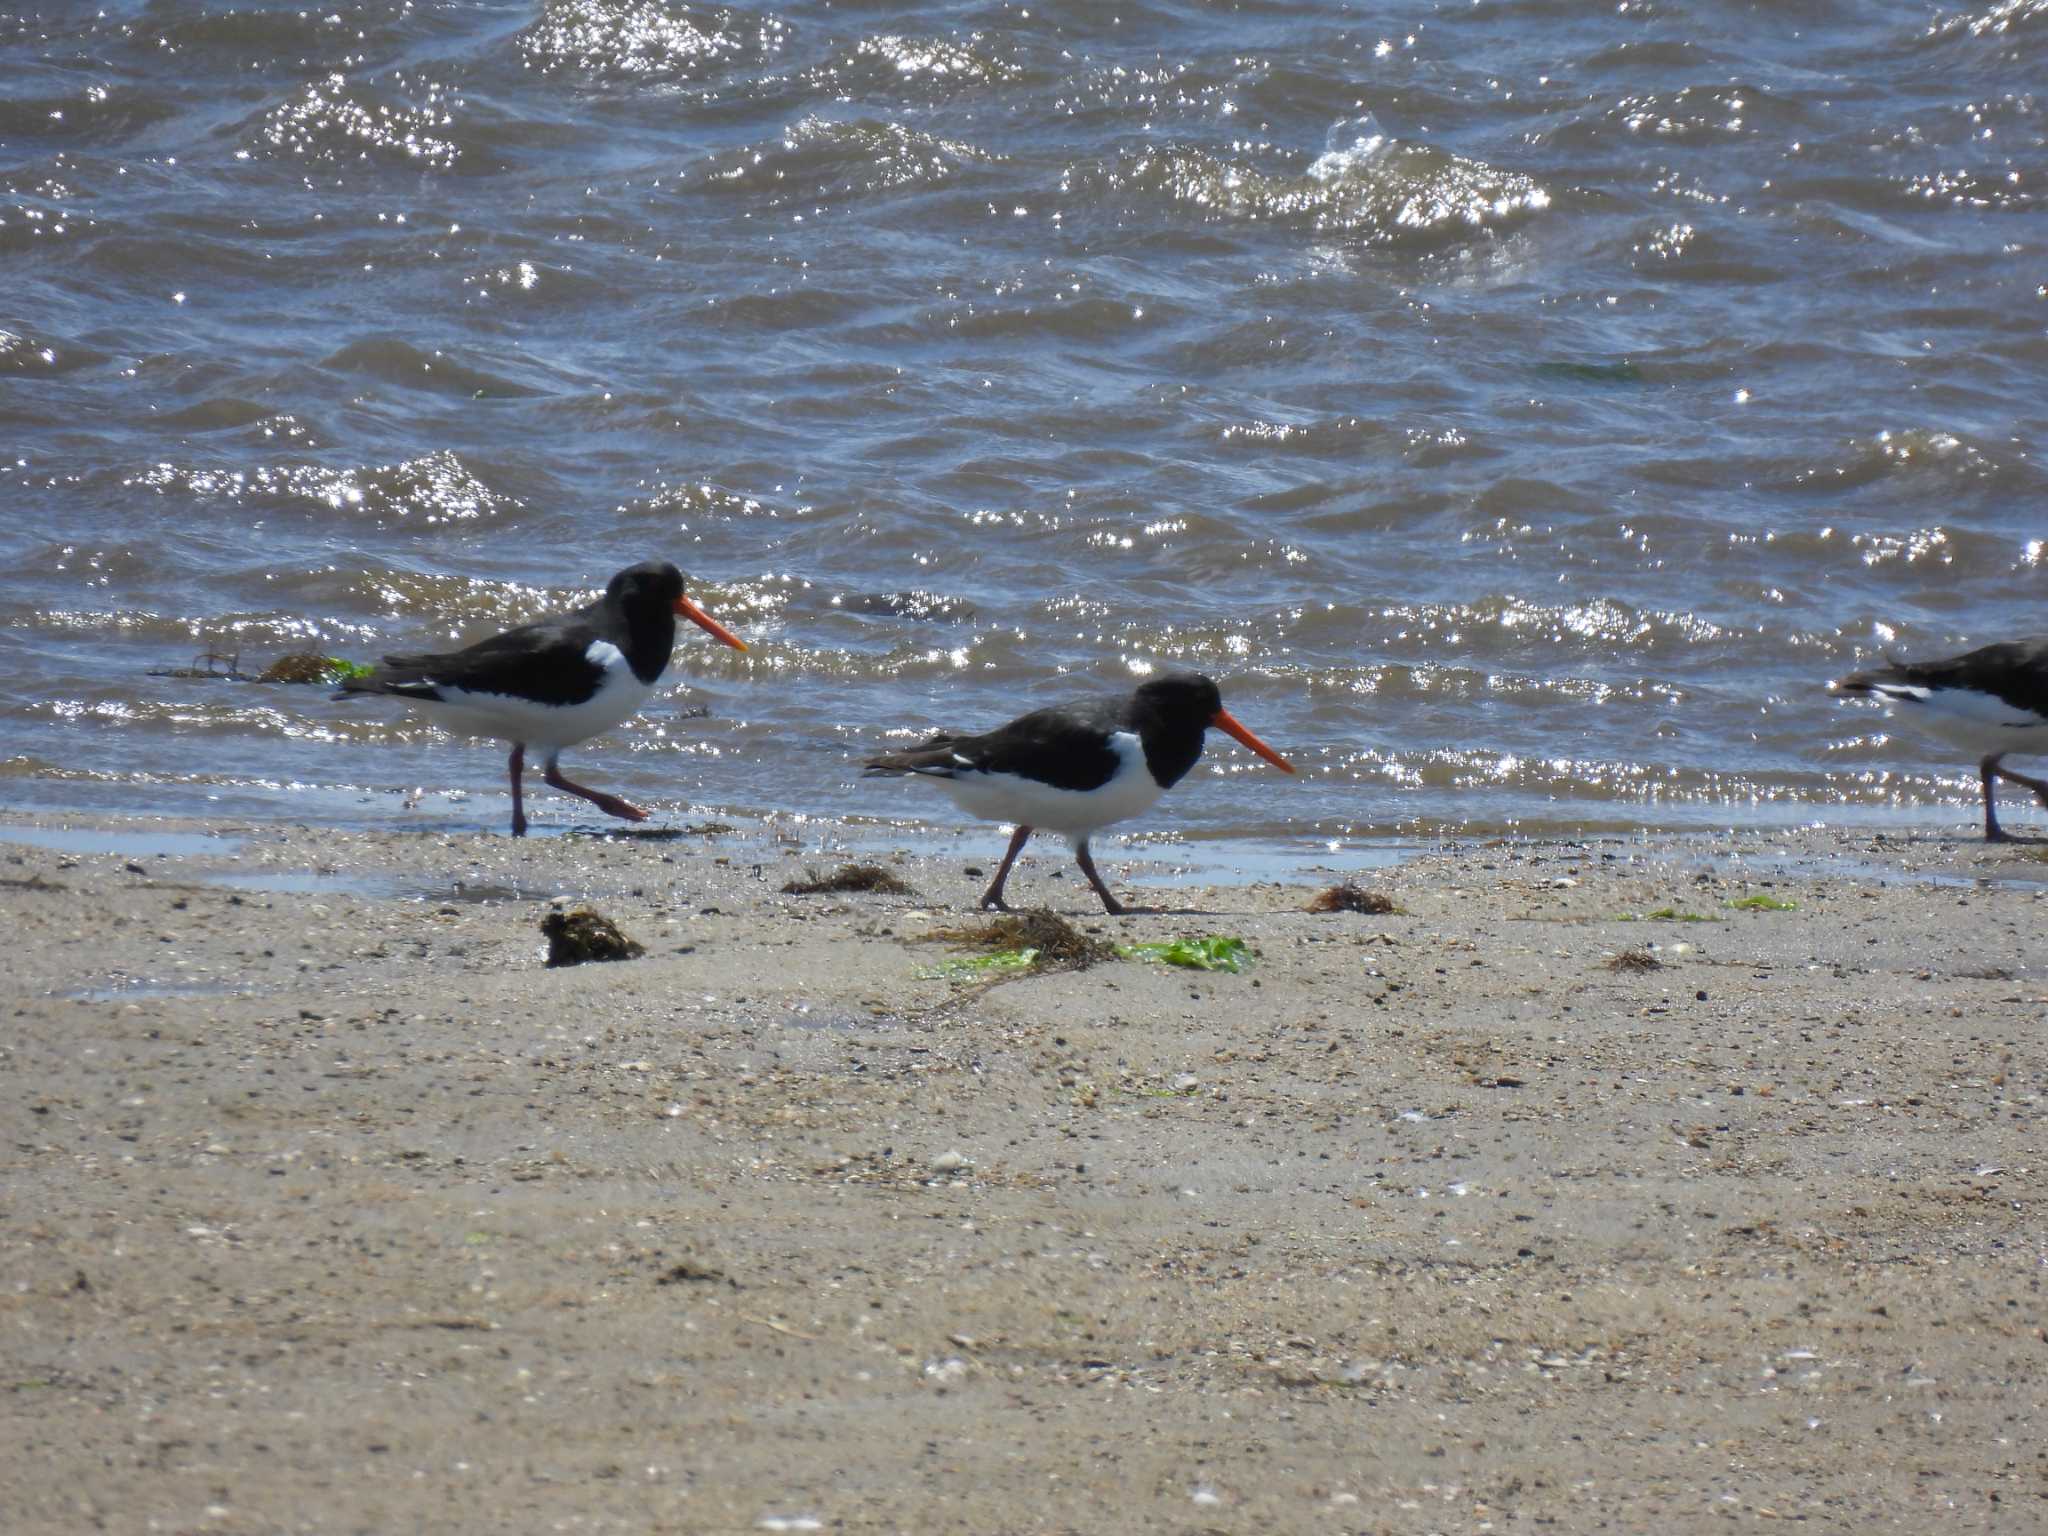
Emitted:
pixel 557 682
pixel 1990 702
pixel 1075 768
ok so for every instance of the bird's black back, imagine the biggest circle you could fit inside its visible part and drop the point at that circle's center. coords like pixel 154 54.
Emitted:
pixel 1068 745
pixel 2012 671
pixel 548 660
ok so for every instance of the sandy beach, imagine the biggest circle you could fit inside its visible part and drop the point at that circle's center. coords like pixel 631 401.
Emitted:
pixel 329 1207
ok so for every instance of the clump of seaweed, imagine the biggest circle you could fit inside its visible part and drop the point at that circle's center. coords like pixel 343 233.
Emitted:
pixel 294 667
pixel 1352 897
pixel 1635 960
pixel 1037 940
pixel 577 937
pixel 299 667
pixel 871 878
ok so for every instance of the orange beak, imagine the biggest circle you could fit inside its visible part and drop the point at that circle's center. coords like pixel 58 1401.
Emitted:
pixel 704 621
pixel 1223 720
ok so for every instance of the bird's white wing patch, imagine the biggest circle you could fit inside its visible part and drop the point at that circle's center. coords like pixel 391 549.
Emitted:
pixel 546 727
pixel 1977 722
pixel 1027 802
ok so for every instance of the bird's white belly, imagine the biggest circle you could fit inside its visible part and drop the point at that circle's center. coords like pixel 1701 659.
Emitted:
pixel 546 727
pixel 1976 722
pixel 1070 812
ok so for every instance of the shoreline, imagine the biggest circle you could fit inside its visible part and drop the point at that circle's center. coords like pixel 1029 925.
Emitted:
pixel 334 1209
pixel 1159 859
pixel 1948 805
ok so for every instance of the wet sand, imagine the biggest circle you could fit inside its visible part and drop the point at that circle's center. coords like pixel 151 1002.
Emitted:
pixel 330 1208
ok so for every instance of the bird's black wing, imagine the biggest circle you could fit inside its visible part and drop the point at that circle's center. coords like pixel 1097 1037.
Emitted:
pixel 2012 671
pixel 547 661
pixel 1067 747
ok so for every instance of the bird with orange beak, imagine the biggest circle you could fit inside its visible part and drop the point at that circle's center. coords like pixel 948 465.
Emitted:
pixel 557 682
pixel 1075 768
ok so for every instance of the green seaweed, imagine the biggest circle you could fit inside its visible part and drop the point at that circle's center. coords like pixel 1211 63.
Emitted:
pixel 311 667
pixel 967 967
pixel 1762 903
pixel 1041 941
pixel 1218 952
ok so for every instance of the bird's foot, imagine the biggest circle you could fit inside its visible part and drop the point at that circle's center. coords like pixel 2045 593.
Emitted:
pixel 992 902
pixel 611 805
pixel 1998 835
pixel 2026 781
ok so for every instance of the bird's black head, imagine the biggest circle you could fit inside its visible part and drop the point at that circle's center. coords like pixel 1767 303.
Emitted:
pixel 651 596
pixel 651 583
pixel 1180 699
pixel 1171 715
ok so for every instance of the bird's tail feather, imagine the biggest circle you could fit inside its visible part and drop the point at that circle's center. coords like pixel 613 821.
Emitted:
pixel 408 677
pixel 907 763
pixel 933 758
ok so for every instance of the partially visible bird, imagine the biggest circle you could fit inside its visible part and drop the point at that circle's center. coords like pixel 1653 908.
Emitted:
pixel 1075 768
pixel 556 682
pixel 1990 702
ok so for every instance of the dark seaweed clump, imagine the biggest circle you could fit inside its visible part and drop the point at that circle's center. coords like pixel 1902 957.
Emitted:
pixel 849 877
pixel 1635 960
pixel 1057 943
pixel 1350 897
pixel 575 938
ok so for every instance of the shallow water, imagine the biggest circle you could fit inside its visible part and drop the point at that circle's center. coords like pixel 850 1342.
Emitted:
pixel 1523 409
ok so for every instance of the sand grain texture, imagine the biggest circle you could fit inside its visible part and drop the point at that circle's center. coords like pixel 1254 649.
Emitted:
pixel 330 1208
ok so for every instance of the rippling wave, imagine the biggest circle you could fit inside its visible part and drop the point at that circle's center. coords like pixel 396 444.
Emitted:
pixel 830 160
pixel 1522 409
pixel 333 122
pixel 1373 189
pixel 645 39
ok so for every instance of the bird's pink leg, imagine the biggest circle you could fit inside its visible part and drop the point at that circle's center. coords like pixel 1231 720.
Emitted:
pixel 518 766
pixel 993 896
pixel 2038 786
pixel 1989 770
pixel 1086 860
pixel 611 805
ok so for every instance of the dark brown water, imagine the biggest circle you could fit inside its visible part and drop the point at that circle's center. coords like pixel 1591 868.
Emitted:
pixel 1522 409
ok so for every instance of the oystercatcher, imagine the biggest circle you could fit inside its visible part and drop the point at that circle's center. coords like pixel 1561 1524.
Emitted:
pixel 1990 701
pixel 1075 768
pixel 554 683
